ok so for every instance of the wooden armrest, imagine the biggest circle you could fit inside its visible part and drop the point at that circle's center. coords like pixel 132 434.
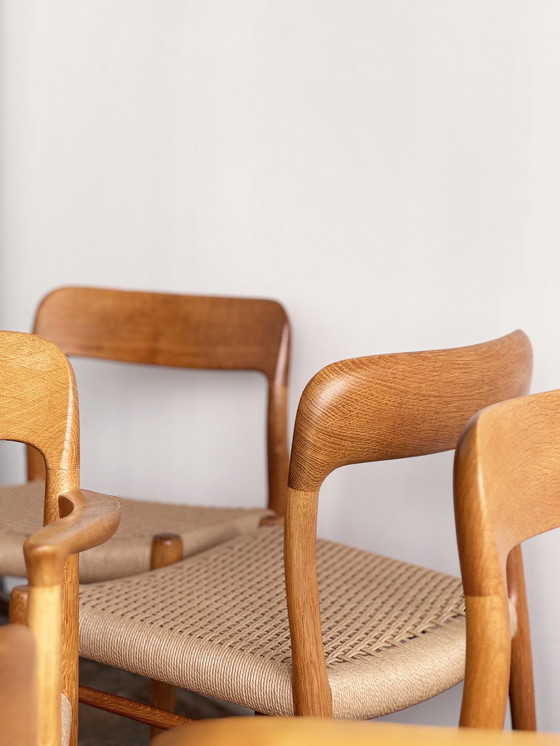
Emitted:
pixel 90 518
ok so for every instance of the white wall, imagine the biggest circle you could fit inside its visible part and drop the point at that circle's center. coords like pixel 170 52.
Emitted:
pixel 389 169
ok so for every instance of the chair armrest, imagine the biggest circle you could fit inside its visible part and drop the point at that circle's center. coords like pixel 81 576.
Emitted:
pixel 89 519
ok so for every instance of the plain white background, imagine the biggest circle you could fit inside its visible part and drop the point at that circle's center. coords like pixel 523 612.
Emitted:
pixel 388 169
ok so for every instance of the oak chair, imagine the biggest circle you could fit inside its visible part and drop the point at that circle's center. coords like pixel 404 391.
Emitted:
pixel 313 732
pixel 167 330
pixel 38 406
pixel 386 634
pixel 507 489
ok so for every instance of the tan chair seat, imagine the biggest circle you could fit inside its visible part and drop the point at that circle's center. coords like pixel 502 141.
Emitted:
pixel 128 552
pixel 217 624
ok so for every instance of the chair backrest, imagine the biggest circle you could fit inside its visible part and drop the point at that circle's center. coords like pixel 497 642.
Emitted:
pixel 182 331
pixel 400 405
pixel 371 409
pixel 38 406
pixel 507 489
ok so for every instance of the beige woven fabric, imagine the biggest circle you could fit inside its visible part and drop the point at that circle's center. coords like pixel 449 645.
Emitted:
pixel 128 552
pixel 65 720
pixel 217 623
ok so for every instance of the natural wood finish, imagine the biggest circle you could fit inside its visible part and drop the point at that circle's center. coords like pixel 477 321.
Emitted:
pixel 18 687
pixel 19 602
pixel 131 709
pixel 38 406
pixel 521 684
pixel 312 692
pixel 370 409
pixel 166 550
pixel 401 405
pixel 182 331
pixel 507 489
pixel 88 519
pixel 308 732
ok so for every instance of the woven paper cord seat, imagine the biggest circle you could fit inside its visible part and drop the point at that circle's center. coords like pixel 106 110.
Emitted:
pixel 217 624
pixel 128 552
pixel 309 626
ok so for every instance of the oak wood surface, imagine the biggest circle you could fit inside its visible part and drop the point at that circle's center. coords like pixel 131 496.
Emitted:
pixel 166 550
pixel 19 603
pixel 18 687
pixel 129 708
pixel 369 409
pixel 38 406
pixel 182 331
pixel 521 683
pixel 309 732
pixel 507 489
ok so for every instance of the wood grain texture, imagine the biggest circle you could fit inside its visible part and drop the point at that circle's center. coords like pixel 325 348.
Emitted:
pixel 521 682
pixel 166 550
pixel 310 732
pixel 507 489
pixel 131 709
pixel 38 406
pixel 88 519
pixel 401 405
pixel 369 409
pixel 181 331
pixel 38 387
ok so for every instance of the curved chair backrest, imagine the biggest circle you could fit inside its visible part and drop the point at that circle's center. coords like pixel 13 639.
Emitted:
pixel 395 406
pixel 187 331
pixel 507 489
pixel 39 407
pixel 370 409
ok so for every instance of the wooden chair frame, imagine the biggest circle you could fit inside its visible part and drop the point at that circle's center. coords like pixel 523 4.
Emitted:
pixel 38 406
pixel 372 409
pixel 365 409
pixel 507 489
pixel 187 331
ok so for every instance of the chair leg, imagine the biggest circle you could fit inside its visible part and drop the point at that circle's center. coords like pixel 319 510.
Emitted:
pixel 521 686
pixel 166 550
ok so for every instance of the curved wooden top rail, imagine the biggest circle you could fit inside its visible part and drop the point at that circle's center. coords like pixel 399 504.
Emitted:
pixel 166 329
pixel 507 485
pixel 400 405
pixel 38 399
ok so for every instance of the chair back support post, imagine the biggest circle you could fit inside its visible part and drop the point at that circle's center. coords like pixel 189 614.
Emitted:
pixel 507 489
pixel 38 406
pixel 371 409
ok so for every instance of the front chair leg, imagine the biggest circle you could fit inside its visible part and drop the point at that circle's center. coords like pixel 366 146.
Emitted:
pixel 521 686
pixel 166 550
